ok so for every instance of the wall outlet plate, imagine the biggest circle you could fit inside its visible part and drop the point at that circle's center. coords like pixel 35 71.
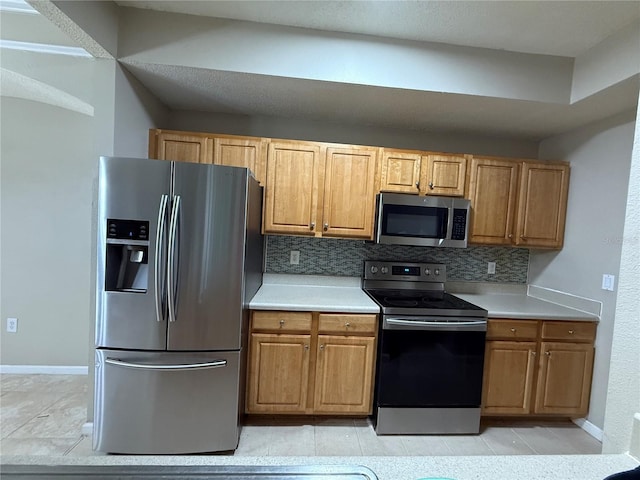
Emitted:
pixel 608 282
pixel 12 325
pixel 294 258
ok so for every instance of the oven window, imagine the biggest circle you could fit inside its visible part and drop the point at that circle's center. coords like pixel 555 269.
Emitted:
pixel 430 368
pixel 412 221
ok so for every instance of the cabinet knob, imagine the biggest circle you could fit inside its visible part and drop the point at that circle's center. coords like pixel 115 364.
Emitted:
pixel 513 330
pixel 322 346
pixel 571 332
pixel 548 354
pixel 306 347
pixel 510 235
pixel 533 353
pixel 417 184
pixel 312 226
pixel 326 227
pixel 431 185
pixel 281 323
pixel 347 324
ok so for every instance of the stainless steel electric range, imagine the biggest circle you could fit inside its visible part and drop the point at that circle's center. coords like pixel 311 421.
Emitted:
pixel 430 351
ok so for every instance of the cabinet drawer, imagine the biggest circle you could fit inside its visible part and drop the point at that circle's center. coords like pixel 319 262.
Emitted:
pixel 275 320
pixel 347 323
pixel 574 331
pixel 512 329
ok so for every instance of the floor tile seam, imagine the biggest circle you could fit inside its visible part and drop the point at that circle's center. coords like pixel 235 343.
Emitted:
pixel 73 446
pixel 493 452
pixel 568 443
pixel 535 452
pixel 21 426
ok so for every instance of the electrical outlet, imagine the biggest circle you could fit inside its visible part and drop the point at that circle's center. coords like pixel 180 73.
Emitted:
pixel 294 259
pixel 12 325
pixel 491 268
pixel 608 282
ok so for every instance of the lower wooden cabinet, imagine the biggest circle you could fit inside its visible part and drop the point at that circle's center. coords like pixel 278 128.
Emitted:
pixel 311 363
pixel 538 367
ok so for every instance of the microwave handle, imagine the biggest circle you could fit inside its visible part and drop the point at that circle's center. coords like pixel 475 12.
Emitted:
pixel 450 210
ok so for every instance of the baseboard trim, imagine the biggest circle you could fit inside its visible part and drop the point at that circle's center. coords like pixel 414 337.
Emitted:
pixel 87 429
pixel 590 428
pixel 44 369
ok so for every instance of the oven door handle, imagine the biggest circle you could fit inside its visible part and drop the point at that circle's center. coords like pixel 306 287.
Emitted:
pixel 416 324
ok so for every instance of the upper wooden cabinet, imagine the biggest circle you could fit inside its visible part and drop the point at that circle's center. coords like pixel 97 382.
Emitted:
pixel 234 151
pixel 180 146
pixel 542 204
pixel 292 188
pixel 422 173
pixel 349 193
pixel 319 191
pixel 520 203
pixel 241 152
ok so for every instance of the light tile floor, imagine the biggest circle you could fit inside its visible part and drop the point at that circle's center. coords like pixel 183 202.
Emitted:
pixel 44 414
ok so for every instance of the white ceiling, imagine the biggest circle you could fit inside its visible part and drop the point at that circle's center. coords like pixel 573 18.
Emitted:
pixel 540 27
pixel 564 28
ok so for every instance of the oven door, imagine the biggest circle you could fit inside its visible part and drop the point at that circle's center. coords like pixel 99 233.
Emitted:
pixel 430 362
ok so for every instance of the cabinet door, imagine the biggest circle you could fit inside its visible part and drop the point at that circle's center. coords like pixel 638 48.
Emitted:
pixel 344 374
pixel 542 205
pixel 278 373
pixel 564 381
pixel 181 147
pixel 508 377
pixel 400 172
pixel 444 175
pixel 291 190
pixel 492 190
pixel 349 193
pixel 241 152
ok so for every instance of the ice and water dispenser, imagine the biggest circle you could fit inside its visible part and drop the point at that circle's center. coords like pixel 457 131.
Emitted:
pixel 127 256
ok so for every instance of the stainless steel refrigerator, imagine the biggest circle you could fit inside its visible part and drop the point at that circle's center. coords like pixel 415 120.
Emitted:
pixel 179 258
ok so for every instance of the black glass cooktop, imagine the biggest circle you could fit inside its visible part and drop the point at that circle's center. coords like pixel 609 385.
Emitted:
pixel 418 299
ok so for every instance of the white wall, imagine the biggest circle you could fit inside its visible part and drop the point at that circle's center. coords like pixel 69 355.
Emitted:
pixel 623 399
pixel 600 157
pixel 278 127
pixel 47 164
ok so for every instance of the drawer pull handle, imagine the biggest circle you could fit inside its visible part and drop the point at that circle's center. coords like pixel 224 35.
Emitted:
pixel 347 324
pixel 571 332
pixel 281 323
pixel 513 330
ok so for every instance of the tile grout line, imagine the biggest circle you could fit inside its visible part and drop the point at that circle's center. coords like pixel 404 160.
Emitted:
pixel 68 451
pixel 525 441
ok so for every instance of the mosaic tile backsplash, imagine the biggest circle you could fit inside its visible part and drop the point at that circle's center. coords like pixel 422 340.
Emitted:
pixel 338 257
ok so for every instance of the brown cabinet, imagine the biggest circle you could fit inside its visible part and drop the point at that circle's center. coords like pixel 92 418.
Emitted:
pixel 230 150
pixel 520 203
pixel 526 374
pixel 328 369
pixel 180 146
pixel 246 152
pixel 422 173
pixel 315 190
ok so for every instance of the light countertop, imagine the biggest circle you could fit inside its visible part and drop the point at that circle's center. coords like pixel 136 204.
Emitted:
pixel 312 293
pixel 521 306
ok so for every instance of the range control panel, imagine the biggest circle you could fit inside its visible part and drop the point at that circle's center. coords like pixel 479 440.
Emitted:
pixel 417 272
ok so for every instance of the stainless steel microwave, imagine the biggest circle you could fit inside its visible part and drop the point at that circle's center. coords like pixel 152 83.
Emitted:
pixel 429 221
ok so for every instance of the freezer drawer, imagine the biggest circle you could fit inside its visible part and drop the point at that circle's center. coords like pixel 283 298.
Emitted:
pixel 166 402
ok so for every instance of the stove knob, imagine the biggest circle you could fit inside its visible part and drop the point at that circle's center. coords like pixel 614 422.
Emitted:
pixel 374 269
pixel 427 271
pixel 437 272
pixel 384 270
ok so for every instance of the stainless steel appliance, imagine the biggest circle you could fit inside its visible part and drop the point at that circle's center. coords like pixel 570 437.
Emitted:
pixel 429 221
pixel 430 351
pixel 179 258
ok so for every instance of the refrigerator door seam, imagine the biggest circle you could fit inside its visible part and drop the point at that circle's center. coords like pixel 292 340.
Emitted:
pixel 171 283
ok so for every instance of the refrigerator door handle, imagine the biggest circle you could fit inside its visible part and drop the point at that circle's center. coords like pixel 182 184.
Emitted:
pixel 158 265
pixel 174 368
pixel 171 278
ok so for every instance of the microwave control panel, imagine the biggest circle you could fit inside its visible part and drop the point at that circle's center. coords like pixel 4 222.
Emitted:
pixel 459 230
